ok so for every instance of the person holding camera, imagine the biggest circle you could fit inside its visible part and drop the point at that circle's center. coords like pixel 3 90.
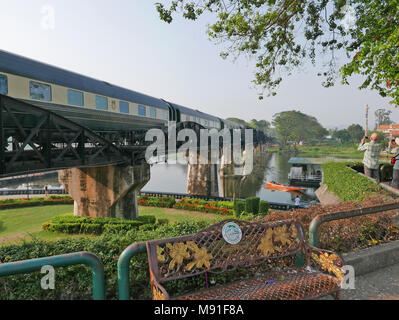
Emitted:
pixel 394 143
pixel 371 156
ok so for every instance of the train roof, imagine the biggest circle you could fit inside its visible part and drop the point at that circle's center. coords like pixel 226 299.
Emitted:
pixel 234 124
pixel 15 64
pixel 193 112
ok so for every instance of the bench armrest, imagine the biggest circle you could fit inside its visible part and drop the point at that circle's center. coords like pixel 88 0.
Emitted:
pixel 158 291
pixel 325 260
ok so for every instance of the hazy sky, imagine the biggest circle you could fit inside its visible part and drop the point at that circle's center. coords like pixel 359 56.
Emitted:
pixel 125 43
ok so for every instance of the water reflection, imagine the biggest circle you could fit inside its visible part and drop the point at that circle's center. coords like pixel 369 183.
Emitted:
pixel 267 166
pixel 173 178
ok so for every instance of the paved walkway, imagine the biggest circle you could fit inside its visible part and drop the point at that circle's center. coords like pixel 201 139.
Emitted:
pixel 382 284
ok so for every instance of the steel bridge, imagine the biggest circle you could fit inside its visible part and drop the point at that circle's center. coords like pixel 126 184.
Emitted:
pixel 34 139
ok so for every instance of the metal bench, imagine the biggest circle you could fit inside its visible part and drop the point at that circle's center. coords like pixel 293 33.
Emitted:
pixel 233 244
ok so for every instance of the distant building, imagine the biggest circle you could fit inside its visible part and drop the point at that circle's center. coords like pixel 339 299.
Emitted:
pixel 389 129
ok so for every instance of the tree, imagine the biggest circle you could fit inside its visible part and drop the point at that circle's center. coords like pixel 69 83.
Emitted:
pixel 356 132
pixel 342 135
pixel 261 125
pixel 297 126
pixel 239 121
pixel 282 34
pixel 382 116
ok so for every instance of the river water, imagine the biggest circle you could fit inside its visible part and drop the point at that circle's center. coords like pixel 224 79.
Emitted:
pixel 173 178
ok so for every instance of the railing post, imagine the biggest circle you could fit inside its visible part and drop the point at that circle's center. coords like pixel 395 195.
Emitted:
pixel 124 268
pixel 65 260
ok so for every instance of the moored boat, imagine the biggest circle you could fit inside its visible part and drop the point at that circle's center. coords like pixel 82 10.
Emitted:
pixel 282 187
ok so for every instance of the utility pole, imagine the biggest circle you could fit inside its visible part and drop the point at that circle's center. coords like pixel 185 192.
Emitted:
pixel 367 120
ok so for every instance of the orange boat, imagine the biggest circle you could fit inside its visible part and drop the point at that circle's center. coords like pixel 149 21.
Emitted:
pixel 282 187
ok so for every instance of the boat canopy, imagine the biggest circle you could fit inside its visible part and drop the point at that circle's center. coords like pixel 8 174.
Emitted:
pixel 307 161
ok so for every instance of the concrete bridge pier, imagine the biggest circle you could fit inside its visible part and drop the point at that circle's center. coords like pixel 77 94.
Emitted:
pixel 202 179
pixel 109 191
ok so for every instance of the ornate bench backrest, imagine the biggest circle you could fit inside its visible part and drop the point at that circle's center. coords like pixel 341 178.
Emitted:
pixel 223 246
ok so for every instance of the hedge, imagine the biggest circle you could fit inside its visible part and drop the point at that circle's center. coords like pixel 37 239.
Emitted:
pixel 264 207
pixel 239 207
pixel 347 184
pixel 87 225
pixel 217 207
pixel 164 202
pixel 75 282
pixel 23 203
pixel 252 205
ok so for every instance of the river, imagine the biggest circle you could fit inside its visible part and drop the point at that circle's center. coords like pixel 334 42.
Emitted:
pixel 173 178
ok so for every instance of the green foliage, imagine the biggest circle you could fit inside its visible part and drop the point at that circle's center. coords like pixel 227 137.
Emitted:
pixel 296 126
pixel 218 207
pixel 283 34
pixel 252 205
pixel 87 225
pixel 264 207
pixel 34 202
pixel 239 207
pixel 75 282
pixel 347 184
pixel 356 132
pixel 162 202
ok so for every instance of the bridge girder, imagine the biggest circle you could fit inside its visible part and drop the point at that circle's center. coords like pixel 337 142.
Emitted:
pixel 33 139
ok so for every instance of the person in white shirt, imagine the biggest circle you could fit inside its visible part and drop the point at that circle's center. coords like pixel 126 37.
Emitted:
pixel 297 201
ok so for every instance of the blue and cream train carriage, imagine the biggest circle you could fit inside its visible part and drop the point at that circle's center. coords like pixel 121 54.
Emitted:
pixel 95 104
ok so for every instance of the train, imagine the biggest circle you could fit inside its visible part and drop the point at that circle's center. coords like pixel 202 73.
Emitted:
pixel 95 104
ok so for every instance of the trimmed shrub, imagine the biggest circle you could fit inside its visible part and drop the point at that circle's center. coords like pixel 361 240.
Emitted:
pixel 162 202
pixel 239 207
pixel 34 202
pixel 218 207
pixel 347 184
pixel 86 225
pixel 252 205
pixel 162 221
pixel 264 208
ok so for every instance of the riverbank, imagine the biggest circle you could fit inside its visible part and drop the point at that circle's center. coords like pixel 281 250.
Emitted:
pixel 338 151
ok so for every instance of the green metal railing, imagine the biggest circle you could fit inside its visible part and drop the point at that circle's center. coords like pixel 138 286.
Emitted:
pixel 124 268
pixel 314 227
pixel 65 260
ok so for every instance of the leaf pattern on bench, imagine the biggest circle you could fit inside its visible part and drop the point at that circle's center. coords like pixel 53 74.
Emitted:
pixel 180 251
pixel 279 234
pixel 328 263
pixel 160 254
pixel 266 245
pixel 201 257
pixel 157 294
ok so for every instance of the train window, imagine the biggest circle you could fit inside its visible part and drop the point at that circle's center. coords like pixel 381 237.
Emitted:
pixel 3 84
pixel 75 98
pixel 101 103
pixel 40 91
pixel 142 111
pixel 123 107
pixel 165 115
pixel 153 112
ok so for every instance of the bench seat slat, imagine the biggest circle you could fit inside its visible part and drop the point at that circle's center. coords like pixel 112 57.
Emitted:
pixel 295 286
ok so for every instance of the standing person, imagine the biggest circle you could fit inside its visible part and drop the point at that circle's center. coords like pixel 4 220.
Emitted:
pixel 372 153
pixel 297 201
pixel 395 176
pixel 46 190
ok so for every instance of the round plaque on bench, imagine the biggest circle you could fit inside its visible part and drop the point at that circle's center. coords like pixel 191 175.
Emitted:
pixel 232 233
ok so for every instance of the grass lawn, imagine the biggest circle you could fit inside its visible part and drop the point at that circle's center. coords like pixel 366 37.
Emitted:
pixel 24 224
pixel 175 215
pixel 30 219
